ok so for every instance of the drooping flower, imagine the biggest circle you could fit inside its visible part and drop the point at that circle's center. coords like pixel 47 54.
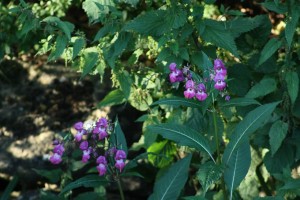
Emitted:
pixel 172 66
pixel 102 122
pixel 220 83
pixel 189 93
pixel 59 149
pixel 120 164
pixel 189 84
pixel 101 169
pixel 120 154
pixel 227 98
pixel 201 94
pixel 84 145
pixel 78 126
pixel 219 67
pixel 55 158
pixel 79 134
pixel 101 159
pixel 86 155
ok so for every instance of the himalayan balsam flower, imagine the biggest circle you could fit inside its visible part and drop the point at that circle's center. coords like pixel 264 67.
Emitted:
pixel 84 145
pixel 119 158
pixel 57 153
pixel 220 83
pixel 101 161
pixel 120 165
pixel 79 134
pixel 86 155
pixel 55 159
pixel 176 75
pixel 189 93
pixel 201 92
pixel 227 98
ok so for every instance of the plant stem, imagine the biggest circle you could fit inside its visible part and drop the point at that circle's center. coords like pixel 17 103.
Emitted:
pixel 218 148
pixel 120 189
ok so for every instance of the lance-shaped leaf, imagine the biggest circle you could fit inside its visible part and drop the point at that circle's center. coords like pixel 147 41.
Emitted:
pixel 183 135
pixel 178 101
pixel 291 25
pixel 240 102
pixel 86 181
pixel 265 86
pixel 118 138
pixel 208 174
pixel 292 81
pixel 169 185
pixel 277 134
pixel 250 124
pixel 237 167
pixel 269 49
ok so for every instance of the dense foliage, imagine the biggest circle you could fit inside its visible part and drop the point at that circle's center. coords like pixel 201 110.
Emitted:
pixel 241 147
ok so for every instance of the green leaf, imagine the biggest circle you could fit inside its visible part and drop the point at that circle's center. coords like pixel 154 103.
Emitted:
pixel 114 97
pixel 291 26
pixel 292 81
pixel 9 188
pixel 117 47
pixel 202 61
pixel 52 175
pixel 105 30
pixel 216 33
pixel 96 9
pixel 125 82
pixel 178 101
pixel 165 148
pixel 170 184
pixel 208 174
pixel 65 27
pixel 253 120
pixel 118 138
pixel 237 167
pixel 183 136
pixel 60 45
pixel 158 22
pixel 240 102
pixel 78 45
pixel 86 181
pixel 293 184
pixel 265 86
pixel 269 49
pixel 90 59
pixel 277 134
pixel 279 8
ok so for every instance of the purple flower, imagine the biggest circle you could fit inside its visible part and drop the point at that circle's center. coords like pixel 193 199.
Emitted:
pixel 219 77
pixel 220 85
pixel 189 93
pixel 120 165
pixel 86 155
pixel 79 134
pixel 111 151
pixel 101 169
pixel 219 67
pixel 201 95
pixel 227 98
pixel 55 158
pixel 78 126
pixel 176 76
pixel 189 84
pixel 59 149
pixel 120 154
pixel 172 66
pixel 102 135
pixel 102 160
pixel 102 122
pixel 84 145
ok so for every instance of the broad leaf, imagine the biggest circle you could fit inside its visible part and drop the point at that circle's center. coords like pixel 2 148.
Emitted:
pixel 96 9
pixel 170 184
pixel 277 134
pixel 292 81
pixel 125 82
pixel 90 59
pixel 291 26
pixel 78 45
pixel 216 33
pixel 240 102
pixel 265 86
pixel 202 61
pixel 86 181
pixel 183 136
pixel 269 49
pixel 254 120
pixel 65 27
pixel 237 167
pixel 208 174
pixel 115 97
pixel 178 101
pixel 279 8
pixel 60 45
pixel 161 154
pixel 118 138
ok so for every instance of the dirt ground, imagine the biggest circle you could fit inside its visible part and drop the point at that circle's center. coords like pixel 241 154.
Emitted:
pixel 37 101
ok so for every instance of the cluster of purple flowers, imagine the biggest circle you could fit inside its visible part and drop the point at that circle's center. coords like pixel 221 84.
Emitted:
pixel 198 90
pixel 87 136
pixel 58 151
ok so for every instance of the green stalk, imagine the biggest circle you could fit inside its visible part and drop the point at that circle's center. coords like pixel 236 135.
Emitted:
pixel 217 146
pixel 120 189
